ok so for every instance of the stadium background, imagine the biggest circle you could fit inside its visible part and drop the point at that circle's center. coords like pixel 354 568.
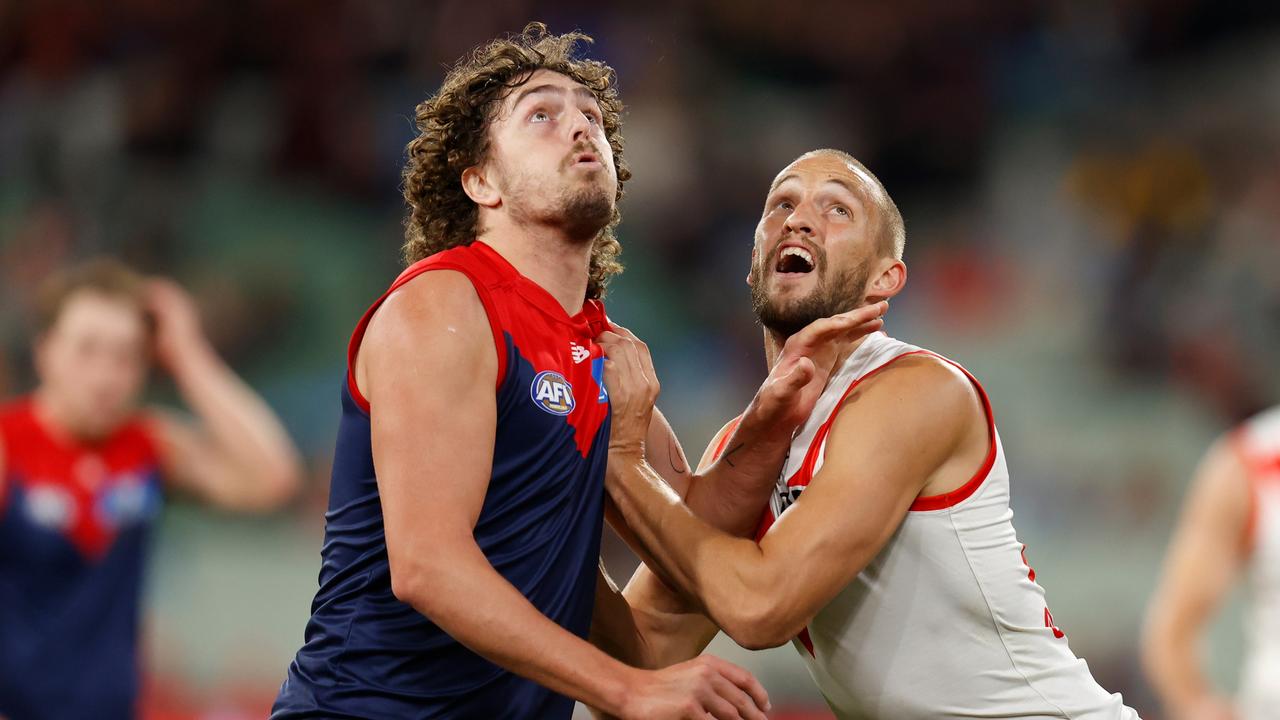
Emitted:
pixel 1091 192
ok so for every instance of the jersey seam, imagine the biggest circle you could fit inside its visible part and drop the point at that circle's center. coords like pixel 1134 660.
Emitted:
pixel 996 623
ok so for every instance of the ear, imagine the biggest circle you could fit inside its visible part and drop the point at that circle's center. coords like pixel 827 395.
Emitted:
pixel 753 264
pixel 476 184
pixel 891 279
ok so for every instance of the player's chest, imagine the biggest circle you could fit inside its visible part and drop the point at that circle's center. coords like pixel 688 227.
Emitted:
pixel 555 380
pixel 76 504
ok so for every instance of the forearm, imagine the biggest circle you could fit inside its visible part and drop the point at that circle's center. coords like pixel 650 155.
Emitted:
pixel 238 422
pixel 724 575
pixel 733 491
pixel 672 627
pixel 487 614
pixel 730 495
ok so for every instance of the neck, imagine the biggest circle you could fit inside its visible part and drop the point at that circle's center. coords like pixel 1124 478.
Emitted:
pixel 557 263
pixel 774 342
pixel 54 418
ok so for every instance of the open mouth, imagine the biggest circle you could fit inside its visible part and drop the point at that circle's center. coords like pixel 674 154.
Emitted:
pixel 794 260
pixel 586 158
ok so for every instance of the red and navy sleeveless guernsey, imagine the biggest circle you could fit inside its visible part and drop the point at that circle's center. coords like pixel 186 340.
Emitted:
pixel 74 523
pixel 368 655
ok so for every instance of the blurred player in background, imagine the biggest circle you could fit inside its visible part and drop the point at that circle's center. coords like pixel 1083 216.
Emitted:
pixel 83 471
pixel 461 554
pixel 1230 528
pixel 886 551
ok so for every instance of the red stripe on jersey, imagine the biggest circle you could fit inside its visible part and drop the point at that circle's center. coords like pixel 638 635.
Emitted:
pixel 962 493
pixel 923 503
pixel 1260 469
pixel 806 641
pixel 76 476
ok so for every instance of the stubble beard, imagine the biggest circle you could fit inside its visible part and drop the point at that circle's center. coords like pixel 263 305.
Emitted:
pixel 579 212
pixel 834 294
pixel 584 212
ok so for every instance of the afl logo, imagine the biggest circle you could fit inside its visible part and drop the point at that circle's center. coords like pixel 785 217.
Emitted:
pixel 551 392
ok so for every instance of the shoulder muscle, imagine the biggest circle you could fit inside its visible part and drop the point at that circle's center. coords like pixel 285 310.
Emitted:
pixel 919 404
pixel 435 320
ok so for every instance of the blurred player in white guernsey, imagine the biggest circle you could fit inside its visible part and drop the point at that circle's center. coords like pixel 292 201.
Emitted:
pixel 1230 530
pixel 886 552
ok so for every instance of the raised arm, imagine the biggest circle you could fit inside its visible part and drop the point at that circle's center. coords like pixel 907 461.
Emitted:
pixel 435 327
pixel 1204 561
pixel 889 441
pixel 729 490
pixel 236 454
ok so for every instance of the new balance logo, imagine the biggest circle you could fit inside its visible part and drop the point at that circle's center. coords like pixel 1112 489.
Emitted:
pixel 579 353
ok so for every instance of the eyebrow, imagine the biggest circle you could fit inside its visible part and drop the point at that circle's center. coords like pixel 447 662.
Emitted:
pixel 556 89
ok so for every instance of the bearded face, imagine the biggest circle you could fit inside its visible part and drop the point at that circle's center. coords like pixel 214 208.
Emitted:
pixel 817 244
pixel 785 306
pixel 551 158
pixel 572 199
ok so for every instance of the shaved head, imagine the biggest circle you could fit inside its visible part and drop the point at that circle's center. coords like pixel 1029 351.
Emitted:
pixel 829 240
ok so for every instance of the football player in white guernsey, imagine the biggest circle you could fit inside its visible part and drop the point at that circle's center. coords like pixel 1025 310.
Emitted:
pixel 886 551
pixel 1229 531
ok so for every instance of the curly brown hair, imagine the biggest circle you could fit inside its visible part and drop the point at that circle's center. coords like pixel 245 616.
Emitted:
pixel 453 135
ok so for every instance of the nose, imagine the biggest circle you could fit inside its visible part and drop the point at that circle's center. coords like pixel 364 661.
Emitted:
pixel 580 127
pixel 799 221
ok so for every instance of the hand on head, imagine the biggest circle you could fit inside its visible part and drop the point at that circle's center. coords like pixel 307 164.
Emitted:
pixel 177 321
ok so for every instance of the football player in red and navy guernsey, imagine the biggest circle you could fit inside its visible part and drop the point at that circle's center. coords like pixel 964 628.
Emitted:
pixel 82 473
pixel 460 562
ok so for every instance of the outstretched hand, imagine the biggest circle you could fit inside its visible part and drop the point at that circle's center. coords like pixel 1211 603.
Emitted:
pixel 798 378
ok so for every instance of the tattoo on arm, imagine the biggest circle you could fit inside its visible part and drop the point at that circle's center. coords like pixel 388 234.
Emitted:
pixel 674 457
pixel 728 457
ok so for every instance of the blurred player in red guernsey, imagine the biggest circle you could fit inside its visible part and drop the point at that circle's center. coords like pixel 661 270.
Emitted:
pixel 83 470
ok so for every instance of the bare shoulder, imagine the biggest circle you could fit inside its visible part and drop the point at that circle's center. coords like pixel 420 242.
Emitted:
pixel 922 384
pixel 922 407
pixel 919 420
pixel 437 316
pixel 440 299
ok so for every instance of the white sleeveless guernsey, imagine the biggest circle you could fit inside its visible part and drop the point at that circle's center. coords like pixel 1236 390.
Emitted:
pixel 1258 441
pixel 947 621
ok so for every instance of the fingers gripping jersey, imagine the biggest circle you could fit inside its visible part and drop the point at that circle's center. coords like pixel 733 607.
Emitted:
pixel 1258 442
pixel 75 519
pixel 368 655
pixel 947 620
